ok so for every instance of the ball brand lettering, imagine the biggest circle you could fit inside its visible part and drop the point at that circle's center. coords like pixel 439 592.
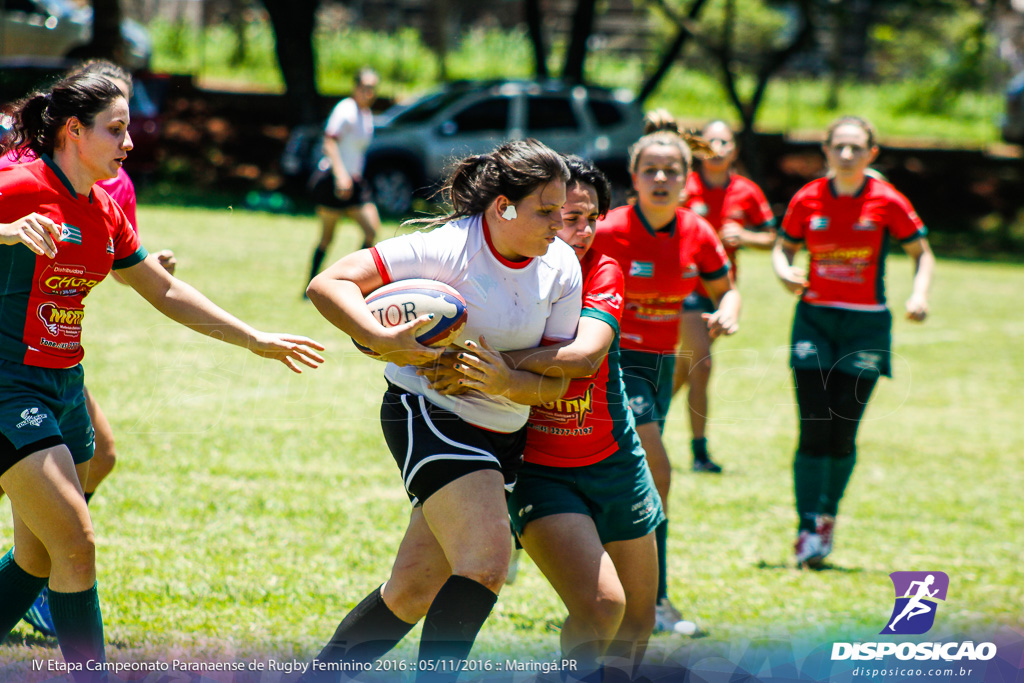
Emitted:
pixel 393 314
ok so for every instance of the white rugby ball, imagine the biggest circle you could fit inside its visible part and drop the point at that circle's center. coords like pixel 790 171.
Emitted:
pixel 403 301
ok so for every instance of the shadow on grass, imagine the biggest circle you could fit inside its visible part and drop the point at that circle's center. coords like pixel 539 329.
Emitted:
pixel 827 567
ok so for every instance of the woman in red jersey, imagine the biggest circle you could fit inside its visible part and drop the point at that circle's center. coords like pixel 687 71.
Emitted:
pixel 842 328
pixel 736 207
pixel 663 250
pixel 59 237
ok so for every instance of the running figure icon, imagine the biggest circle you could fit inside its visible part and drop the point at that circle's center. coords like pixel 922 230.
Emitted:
pixel 915 606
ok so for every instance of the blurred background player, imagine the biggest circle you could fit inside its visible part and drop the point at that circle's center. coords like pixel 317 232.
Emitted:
pixel 737 208
pixel 338 186
pixel 663 249
pixel 842 328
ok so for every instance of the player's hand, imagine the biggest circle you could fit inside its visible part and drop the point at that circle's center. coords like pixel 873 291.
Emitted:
pixel 483 369
pixel 398 344
pixel 289 349
pixel 731 234
pixel 342 187
pixel 794 279
pixel 442 375
pixel 720 323
pixel 917 308
pixel 167 260
pixel 35 231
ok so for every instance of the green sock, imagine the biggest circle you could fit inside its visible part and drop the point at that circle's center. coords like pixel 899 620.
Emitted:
pixel 79 626
pixel 18 590
pixel 838 478
pixel 661 537
pixel 810 474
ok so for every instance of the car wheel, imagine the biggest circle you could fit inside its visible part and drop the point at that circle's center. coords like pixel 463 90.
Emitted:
pixel 392 190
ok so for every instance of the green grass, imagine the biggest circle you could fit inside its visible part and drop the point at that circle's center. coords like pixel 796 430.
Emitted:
pixel 252 508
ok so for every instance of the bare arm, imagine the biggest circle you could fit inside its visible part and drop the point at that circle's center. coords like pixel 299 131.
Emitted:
pixel 783 258
pixel 342 178
pixel 726 318
pixel 735 235
pixel 581 357
pixel 921 254
pixel 185 304
pixel 338 293
pixel 35 231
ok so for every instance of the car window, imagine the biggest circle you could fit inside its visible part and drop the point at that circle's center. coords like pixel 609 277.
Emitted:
pixel 605 113
pixel 486 115
pixel 549 113
pixel 426 108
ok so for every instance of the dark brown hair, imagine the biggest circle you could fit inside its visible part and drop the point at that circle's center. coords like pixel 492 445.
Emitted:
pixel 39 117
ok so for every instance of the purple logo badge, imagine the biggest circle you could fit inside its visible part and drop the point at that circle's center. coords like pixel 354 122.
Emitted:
pixel 916 596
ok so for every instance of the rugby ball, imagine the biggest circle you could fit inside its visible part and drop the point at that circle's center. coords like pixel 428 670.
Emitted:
pixel 405 300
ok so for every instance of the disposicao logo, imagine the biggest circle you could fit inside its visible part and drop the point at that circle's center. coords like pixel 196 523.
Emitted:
pixel 917 594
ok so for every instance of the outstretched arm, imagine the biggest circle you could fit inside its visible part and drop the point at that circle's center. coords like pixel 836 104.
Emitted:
pixel 783 258
pixel 185 304
pixel 921 254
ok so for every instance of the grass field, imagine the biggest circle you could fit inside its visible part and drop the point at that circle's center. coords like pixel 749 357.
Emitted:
pixel 252 508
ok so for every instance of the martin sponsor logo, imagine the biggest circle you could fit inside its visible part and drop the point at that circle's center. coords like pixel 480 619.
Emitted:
pixel 60 320
pixel 31 417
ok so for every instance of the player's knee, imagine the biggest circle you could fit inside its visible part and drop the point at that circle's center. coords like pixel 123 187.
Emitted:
pixel 489 572
pixel 103 461
pixel 637 621
pixel 816 438
pixel 36 563
pixel 410 601
pixel 700 370
pixel 76 557
pixel 603 615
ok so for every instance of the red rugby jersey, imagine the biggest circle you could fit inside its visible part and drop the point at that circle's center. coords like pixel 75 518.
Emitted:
pixel 740 201
pixel 848 238
pixel 661 269
pixel 42 299
pixel 592 419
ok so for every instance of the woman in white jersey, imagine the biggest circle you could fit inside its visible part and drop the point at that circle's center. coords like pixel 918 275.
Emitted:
pixel 337 186
pixel 459 451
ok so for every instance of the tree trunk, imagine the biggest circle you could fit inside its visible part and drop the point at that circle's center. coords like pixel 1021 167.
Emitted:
pixel 582 27
pixel 293 22
pixel 534 24
pixel 106 42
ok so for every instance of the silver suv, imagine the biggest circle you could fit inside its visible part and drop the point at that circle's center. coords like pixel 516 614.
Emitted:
pixel 415 144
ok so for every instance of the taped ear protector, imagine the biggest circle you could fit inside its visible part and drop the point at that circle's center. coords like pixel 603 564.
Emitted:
pixel 509 213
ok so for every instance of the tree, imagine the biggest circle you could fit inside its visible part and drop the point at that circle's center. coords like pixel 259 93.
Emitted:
pixel 293 22
pixel 107 42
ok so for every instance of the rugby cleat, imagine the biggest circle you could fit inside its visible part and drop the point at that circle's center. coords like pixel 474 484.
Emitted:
pixel 708 466
pixel 809 550
pixel 824 527
pixel 667 619
pixel 39 615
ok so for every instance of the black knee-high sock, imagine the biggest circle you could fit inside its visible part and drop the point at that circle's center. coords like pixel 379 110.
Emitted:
pixel 368 632
pixel 450 627
pixel 18 590
pixel 79 626
pixel 318 260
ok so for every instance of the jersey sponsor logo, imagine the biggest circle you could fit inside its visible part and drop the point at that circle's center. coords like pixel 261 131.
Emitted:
pixel 614 300
pixel 110 246
pixel 865 224
pixel 564 410
pixel 70 234
pixel 818 223
pixel 60 346
pixel 641 268
pixel 68 280
pixel 60 320
pixel 691 271
pixel 699 208
pixel 31 417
